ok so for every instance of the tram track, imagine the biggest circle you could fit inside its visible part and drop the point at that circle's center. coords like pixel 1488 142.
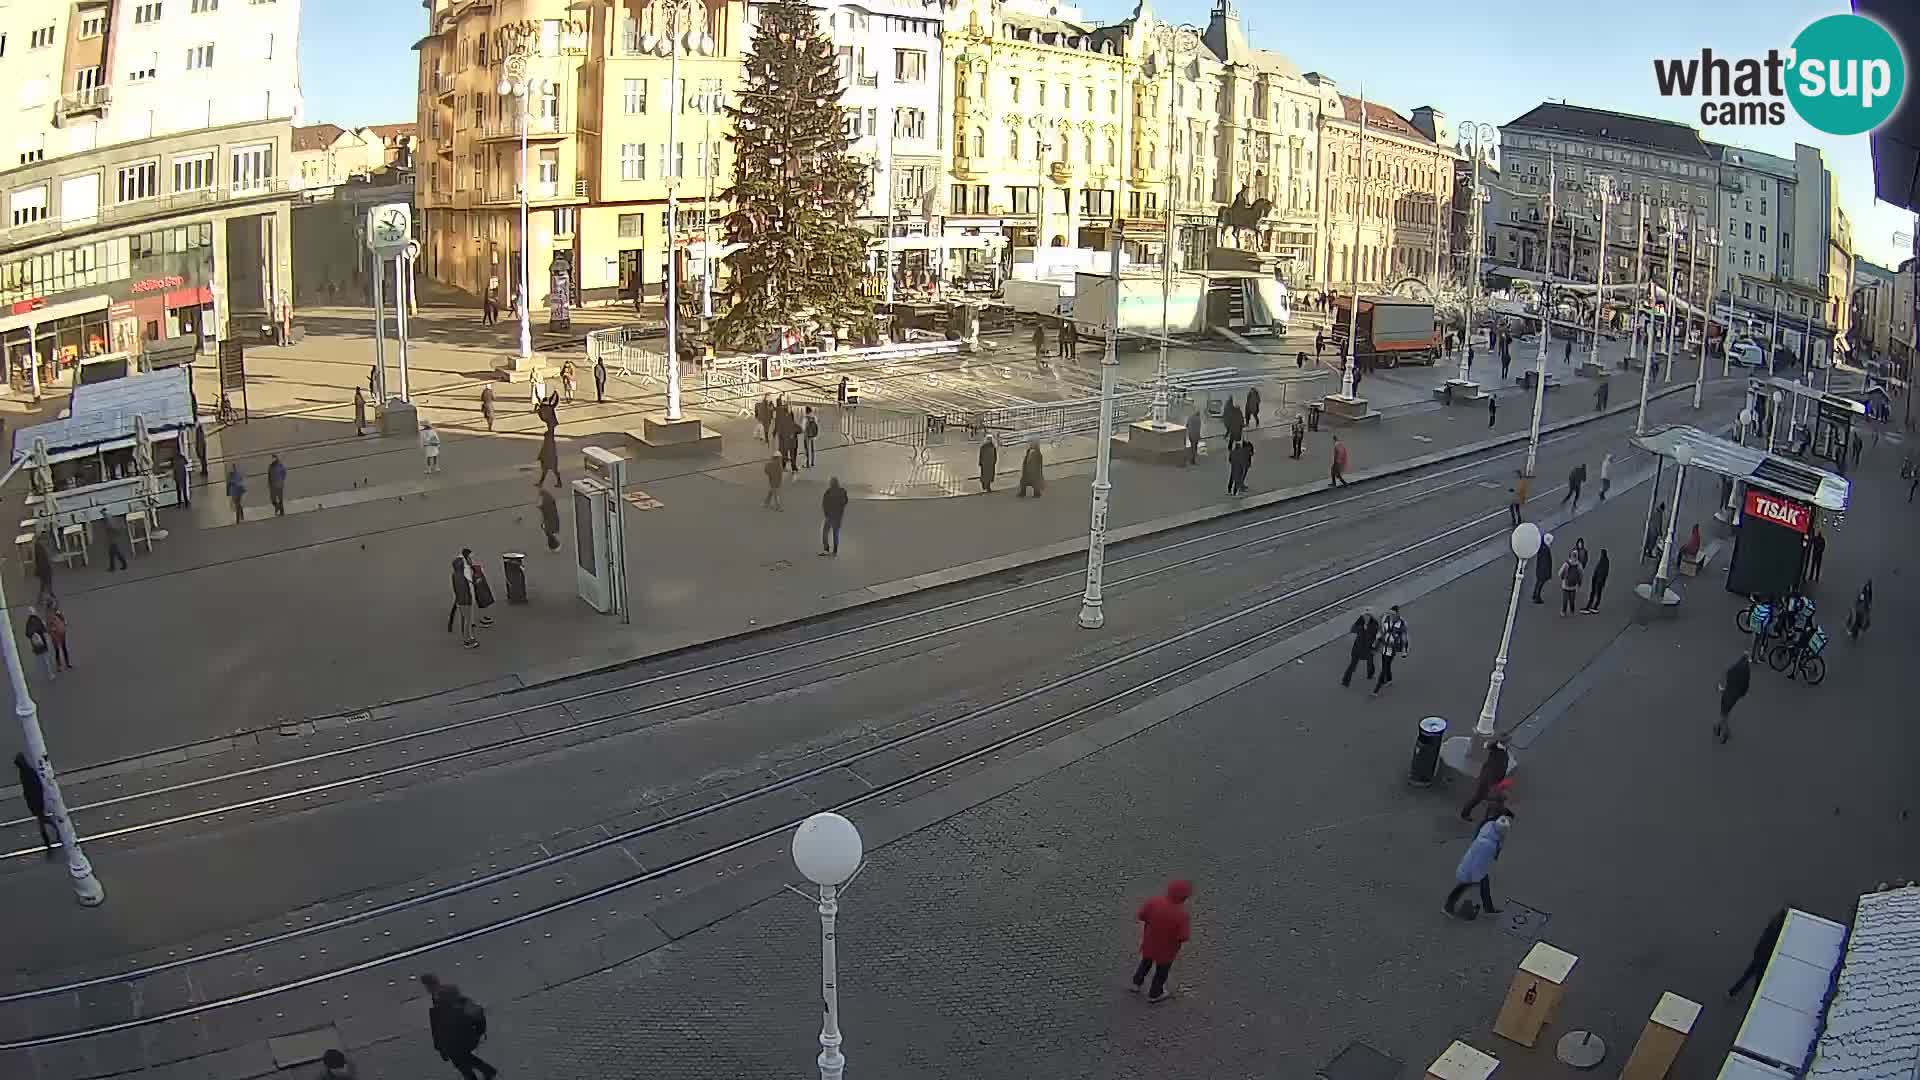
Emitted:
pixel 1170 645
pixel 1425 483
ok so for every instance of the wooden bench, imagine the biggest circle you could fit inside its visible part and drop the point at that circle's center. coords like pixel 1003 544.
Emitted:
pixel 1692 566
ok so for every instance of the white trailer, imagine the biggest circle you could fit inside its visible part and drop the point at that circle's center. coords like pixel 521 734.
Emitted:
pixel 1047 298
pixel 1140 305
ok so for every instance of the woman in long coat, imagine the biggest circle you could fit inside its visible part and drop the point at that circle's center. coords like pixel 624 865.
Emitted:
pixel 1476 865
pixel 1031 472
pixel 989 461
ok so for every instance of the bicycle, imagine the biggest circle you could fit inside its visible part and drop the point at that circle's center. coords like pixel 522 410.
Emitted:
pixel 1801 659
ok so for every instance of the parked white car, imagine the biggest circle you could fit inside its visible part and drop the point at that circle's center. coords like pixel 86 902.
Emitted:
pixel 1746 354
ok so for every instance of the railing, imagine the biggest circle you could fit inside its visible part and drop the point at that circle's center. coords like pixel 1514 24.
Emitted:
pixel 161 206
pixel 442 85
pixel 93 97
pixel 508 127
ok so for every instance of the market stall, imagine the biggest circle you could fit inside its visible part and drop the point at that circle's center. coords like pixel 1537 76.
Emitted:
pixel 111 454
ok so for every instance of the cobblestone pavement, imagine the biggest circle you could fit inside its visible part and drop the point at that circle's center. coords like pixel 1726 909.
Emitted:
pixel 996 942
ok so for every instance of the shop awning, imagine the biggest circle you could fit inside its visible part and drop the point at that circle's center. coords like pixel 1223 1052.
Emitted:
pixel 52 312
pixel 100 416
pixel 937 243
pixel 1785 475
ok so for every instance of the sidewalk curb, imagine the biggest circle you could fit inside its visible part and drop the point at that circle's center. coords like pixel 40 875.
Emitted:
pixel 616 658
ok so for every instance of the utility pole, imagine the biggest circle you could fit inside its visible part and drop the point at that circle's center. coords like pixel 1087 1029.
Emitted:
pixel 1546 326
pixel 1093 612
pixel 1605 184
pixel 1353 262
pixel 1673 266
pixel 1700 379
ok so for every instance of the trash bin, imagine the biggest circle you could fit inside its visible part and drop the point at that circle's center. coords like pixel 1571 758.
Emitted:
pixel 1426 745
pixel 516 574
pixel 1314 409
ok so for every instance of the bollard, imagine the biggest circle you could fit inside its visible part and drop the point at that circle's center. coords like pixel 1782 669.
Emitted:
pixel 1535 993
pixel 1462 1062
pixel 1426 752
pixel 1660 1041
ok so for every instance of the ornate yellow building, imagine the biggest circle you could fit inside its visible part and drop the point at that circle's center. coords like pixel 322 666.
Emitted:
pixel 1400 199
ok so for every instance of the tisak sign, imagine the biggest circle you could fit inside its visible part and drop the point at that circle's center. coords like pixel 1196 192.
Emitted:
pixel 1780 511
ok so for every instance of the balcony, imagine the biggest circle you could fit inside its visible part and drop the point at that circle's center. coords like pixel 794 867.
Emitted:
pixel 94 99
pixel 537 192
pixel 539 128
pixel 969 168
pixel 871 81
pixel 442 85
pixel 148 209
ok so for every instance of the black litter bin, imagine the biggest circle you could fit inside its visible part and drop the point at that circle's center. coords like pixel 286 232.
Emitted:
pixel 516 574
pixel 1426 747
pixel 1314 409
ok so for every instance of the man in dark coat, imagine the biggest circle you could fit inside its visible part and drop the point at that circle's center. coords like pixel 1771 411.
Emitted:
pixel 600 378
pixel 1543 569
pixel 1253 406
pixel 182 490
pixel 1365 631
pixel 1733 687
pixel 1234 421
pixel 989 461
pixel 1597 584
pixel 1492 771
pixel 458 1025
pixel 763 413
pixel 200 448
pixel 1299 435
pixel 1165 926
pixel 549 460
pixel 1575 480
pixel 833 508
pixel 1493 410
pixel 1193 437
pixel 35 796
pixel 1762 952
pixel 1031 470
pixel 1239 460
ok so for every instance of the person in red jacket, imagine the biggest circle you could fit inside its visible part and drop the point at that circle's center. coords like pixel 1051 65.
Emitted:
pixel 1165 928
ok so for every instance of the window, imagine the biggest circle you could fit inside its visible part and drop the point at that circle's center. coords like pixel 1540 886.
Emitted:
pixel 1113 156
pixel 1763 262
pixel 563 221
pixel 1013 145
pixel 139 72
pixel 633 161
pixel 549 101
pixel 1763 234
pixel 1113 101
pixel 909 66
pixel 1023 199
pixel 1013 83
pixel 138 182
pixel 1803 305
pixel 205 5
pixel 1748 229
pixel 1043 95
pixel 1786 241
pixel 199 57
pixel 92 26
pixel 549 166
pixel 146 13
pixel 630 227
pixel 193 172
pixel 252 168
pixel 979 143
pixel 910 123
pixel 634 96
pixel 40 39
pixel 1089 99
pixel 29 205
pixel 1763 206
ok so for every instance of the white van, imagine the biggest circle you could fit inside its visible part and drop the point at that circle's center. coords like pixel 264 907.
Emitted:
pixel 1746 354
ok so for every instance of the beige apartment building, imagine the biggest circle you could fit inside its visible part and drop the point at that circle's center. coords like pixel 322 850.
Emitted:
pixel 1398 199
pixel 599 160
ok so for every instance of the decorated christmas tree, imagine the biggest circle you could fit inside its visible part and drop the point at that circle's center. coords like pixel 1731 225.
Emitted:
pixel 795 189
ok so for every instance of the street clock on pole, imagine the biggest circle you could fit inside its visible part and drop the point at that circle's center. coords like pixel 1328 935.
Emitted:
pixel 389 228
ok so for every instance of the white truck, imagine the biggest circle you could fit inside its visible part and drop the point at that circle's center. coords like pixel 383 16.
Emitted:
pixel 1050 299
pixel 1140 305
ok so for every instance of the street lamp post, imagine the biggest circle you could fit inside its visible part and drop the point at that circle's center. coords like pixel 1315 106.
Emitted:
pixel 1605 184
pixel 1712 237
pixel 1093 612
pixel 86 887
pixel 827 850
pixel 1174 42
pixel 1673 266
pixel 1546 327
pixel 1658 591
pixel 517 86
pixel 1353 259
pixel 1524 541
pixel 1646 368
pixel 675 10
pixel 709 101
pixel 1475 138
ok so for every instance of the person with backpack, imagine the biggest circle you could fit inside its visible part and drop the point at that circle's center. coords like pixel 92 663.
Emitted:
pixel 1570 578
pixel 458 1025
pixel 811 430
pixel 1393 642
pixel 1476 868
pixel 463 604
pixel 36 631
pixel 482 592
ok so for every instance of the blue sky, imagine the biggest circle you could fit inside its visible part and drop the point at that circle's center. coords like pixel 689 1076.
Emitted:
pixel 1479 60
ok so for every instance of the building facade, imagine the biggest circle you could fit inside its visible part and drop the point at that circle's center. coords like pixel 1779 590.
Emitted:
pixel 144 201
pixel 1872 319
pixel 1268 149
pixel 890 57
pixel 1385 217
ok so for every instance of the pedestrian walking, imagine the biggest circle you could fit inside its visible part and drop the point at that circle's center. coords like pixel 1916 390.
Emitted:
pixel 1319 343
pixel 1606 475
pixel 482 592
pixel 359 424
pixel 1470 356
pixel 1566 354
pixel 810 428
pixel 1253 406
pixel 1857 447
pixel 1517 502
pixel 335 1066
pixel 566 382
pixel 463 603
pixel 37 640
pixel 1733 687
pixel 458 1025
pixel 550 519
pixel 776 471
pixel 236 489
pixel 1652 546
pixel 116 532
pixel 989 461
pixel 1543 568
pixel 1816 554
pixel 182 490
pixel 840 395
pixel 1339 475
pixel 34 794
pixel 1234 421
pixel 600 379
pixel 789 434
pixel 486 406
pixel 430 446
pixel 43 569
pixel 200 449
pixel 489 311
pixel 1506 360
pixel 277 485
pixel 1493 770
pixel 763 413
pixel 1575 480
pixel 1393 643
pixel 1366 635
pixel 1165 927
pixel 1597 584
pixel 1299 435
pixel 1239 460
pixel 1493 410
pixel 1861 616
pixel 1040 346
pixel 1476 868
pixel 549 459
pixel 1069 339
pixel 1600 396
pixel 833 508
pixel 1570 578
pixel 1762 953
pixel 1193 437
pixel 1032 471
pixel 57 635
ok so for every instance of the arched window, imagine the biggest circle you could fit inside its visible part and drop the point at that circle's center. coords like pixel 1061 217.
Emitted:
pixel 1112 153
pixel 979 143
pixel 1086 149
pixel 1013 145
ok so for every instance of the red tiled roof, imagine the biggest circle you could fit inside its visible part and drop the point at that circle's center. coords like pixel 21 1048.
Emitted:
pixel 315 136
pixel 390 132
pixel 1379 116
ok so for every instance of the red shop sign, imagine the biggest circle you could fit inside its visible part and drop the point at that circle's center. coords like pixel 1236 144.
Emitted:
pixel 1770 507
pixel 156 284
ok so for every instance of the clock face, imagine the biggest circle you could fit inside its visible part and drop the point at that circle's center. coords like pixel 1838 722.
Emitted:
pixel 393 224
